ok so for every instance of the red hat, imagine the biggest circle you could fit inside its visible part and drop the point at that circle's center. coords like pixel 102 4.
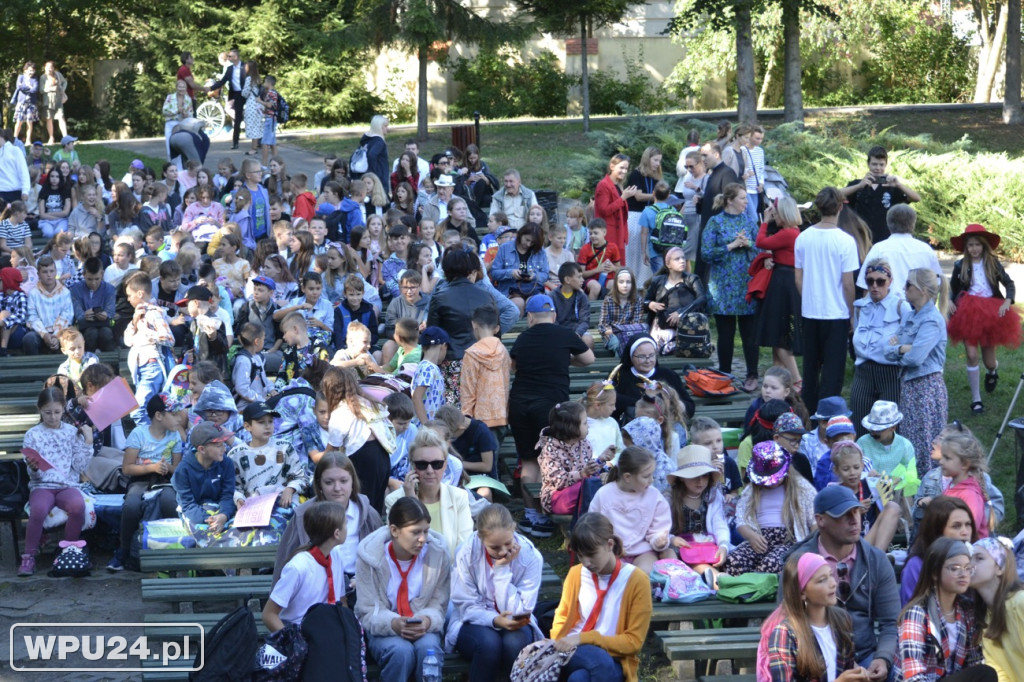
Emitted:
pixel 11 278
pixel 975 230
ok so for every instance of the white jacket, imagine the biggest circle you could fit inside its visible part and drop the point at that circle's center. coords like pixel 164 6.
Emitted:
pixel 475 592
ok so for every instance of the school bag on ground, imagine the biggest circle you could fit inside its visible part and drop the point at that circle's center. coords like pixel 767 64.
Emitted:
pixel 747 588
pixel 669 229
pixel 335 640
pixel 680 584
pixel 708 383
pixel 693 336
pixel 358 163
pixel 231 648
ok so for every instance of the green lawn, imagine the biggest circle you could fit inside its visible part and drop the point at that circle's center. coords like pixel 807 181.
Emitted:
pixel 120 158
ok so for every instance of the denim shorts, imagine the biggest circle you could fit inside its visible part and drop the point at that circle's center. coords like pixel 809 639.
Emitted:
pixel 269 131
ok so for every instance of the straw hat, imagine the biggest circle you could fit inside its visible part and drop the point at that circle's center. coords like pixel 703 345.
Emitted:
pixel 693 461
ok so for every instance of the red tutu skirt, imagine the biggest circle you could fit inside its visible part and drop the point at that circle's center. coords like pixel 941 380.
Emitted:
pixel 977 322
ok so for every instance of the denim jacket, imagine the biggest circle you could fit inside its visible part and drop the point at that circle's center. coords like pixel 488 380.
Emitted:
pixel 925 331
pixel 876 324
pixel 506 262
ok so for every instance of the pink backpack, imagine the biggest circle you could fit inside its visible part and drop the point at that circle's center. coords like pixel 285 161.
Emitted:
pixel 680 584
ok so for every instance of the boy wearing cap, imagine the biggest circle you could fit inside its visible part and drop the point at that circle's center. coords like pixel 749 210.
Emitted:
pixel 205 338
pixel 260 308
pixel 427 383
pixel 149 339
pixel 813 444
pixel 151 454
pixel 885 448
pixel 266 465
pixel 67 152
pixel 206 477
pixel 787 432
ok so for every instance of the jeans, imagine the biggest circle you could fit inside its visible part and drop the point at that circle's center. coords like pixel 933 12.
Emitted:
pixel 41 501
pixel 591 663
pixel 399 659
pixel 491 652
pixel 149 380
pixel 824 359
pixel 32 344
pixel 751 209
pixel 98 337
pixel 131 510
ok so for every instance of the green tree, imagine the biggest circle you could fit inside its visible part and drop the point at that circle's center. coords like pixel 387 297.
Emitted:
pixel 567 18
pixel 416 25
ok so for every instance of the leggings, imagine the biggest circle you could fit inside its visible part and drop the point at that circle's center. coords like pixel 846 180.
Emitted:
pixel 726 325
pixel 41 501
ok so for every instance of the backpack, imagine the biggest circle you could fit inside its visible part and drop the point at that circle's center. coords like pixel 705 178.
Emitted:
pixel 72 562
pixel 13 489
pixel 747 588
pixel 234 352
pixel 679 583
pixel 336 649
pixel 282 109
pixel 706 383
pixel 358 162
pixel 693 336
pixel 669 229
pixel 231 647
pixel 282 656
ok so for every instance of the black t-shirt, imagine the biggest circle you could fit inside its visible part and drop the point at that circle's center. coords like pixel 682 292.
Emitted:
pixel 542 354
pixel 872 205
pixel 477 439
pixel 645 184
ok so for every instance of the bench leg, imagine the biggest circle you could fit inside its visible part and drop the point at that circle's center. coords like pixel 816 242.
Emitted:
pixel 185 607
pixel 15 539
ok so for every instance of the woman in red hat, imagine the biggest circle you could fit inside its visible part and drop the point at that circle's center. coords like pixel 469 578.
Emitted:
pixel 981 315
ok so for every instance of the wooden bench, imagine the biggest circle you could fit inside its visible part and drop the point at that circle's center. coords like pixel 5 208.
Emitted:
pixel 705 647
pixel 709 609
pixel 206 559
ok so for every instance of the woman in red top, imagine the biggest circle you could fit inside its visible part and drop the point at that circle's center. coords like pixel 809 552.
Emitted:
pixel 778 319
pixel 610 201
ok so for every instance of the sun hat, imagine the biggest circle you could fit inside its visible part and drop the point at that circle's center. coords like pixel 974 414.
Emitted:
pixel 540 303
pixel 975 230
pixel 693 461
pixel 789 423
pixel 769 464
pixel 831 407
pixel 444 180
pixel 884 415
pixel 839 425
pixel 835 500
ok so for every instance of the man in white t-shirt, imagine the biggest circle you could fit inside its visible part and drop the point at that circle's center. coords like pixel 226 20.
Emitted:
pixel 903 251
pixel 825 263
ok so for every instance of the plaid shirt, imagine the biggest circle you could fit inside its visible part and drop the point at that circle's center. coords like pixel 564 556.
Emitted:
pixel 924 654
pixel 17 302
pixel 781 656
pixel 628 313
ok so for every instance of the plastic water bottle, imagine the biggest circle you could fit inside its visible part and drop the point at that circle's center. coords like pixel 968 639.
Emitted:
pixel 431 667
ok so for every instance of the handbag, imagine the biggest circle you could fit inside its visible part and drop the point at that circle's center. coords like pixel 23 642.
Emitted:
pixel 540 662
pixel 702 550
pixel 624 332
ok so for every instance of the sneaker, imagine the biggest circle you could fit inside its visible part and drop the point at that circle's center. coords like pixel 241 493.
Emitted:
pixel 991 379
pixel 525 526
pixel 115 565
pixel 28 565
pixel 542 529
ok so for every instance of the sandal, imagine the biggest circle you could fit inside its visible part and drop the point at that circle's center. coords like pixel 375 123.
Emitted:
pixel 798 386
pixel 977 407
pixel 750 385
pixel 991 379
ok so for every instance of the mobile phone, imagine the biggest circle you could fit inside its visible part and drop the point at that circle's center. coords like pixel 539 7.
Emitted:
pixel 881 179
pixel 521 616
pixel 414 621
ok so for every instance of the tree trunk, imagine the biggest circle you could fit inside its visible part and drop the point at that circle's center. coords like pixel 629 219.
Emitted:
pixel 421 104
pixel 792 90
pixel 1012 114
pixel 584 75
pixel 768 82
pixel 992 31
pixel 745 86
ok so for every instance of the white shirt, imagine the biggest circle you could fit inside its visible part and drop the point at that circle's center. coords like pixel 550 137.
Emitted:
pixel 344 555
pixel 769 511
pixel 979 281
pixel 303 583
pixel 346 431
pixel 415 578
pixel 827 644
pixel 904 253
pixel 13 170
pixel 608 621
pixel 824 255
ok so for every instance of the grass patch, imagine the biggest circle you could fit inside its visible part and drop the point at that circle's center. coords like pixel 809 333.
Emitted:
pixel 120 158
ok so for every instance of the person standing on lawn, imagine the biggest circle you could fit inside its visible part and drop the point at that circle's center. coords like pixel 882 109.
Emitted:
pixel 873 195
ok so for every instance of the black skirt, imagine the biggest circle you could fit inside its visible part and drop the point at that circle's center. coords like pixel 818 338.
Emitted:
pixel 778 318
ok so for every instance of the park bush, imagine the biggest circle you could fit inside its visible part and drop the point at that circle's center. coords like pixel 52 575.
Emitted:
pixel 610 95
pixel 502 84
pixel 958 184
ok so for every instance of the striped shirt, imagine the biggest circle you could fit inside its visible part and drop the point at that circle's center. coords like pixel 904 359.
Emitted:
pixel 14 234
pixel 753 159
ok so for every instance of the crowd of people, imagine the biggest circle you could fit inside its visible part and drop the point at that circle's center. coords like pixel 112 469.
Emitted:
pixel 335 340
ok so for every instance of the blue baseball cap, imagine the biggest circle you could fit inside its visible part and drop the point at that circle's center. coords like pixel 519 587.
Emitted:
pixel 835 500
pixel 434 336
pixel 265 281
pixel 540 303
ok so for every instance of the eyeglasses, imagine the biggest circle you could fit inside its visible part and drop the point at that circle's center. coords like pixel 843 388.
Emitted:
pixel 959 571
pixel 688 166
pixel 411 287
pixel 646 358
pixel 844 590
pixel 876 282
pixel 435 464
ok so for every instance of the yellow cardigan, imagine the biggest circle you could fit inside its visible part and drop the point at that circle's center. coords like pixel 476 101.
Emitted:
pixel 634 620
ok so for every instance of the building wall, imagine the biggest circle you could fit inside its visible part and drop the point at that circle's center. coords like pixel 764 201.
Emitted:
pixel 639 34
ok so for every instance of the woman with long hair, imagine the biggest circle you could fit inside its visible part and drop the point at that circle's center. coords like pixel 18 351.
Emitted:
pixel 377 159
pixel 252 112
pixel 645 176
pixel 177 107
pixel 520 267
pixel 407 172
pixel 334 480
pixel 359 428
pixel 26 92
pixel 461 220
pixel 123 210
pixel 944 517
pixel 778 320
pixel 404 198
pixel 610 202
pixel 808 637
pixel 940 629
pixel 996 583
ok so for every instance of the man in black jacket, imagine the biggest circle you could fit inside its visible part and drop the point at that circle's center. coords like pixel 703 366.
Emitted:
pixel 234 78
pixel 719 175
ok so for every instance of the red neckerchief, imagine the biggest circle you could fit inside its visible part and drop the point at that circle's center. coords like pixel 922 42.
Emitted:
pixel 404 609
pixel 325 561
pixel 596 611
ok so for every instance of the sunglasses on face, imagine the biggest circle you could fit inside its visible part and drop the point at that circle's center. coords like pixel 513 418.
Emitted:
pixel 435 464
pixel 876 282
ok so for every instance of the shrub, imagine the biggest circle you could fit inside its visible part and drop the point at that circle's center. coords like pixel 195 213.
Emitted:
pixel 609 95
pixel 500 84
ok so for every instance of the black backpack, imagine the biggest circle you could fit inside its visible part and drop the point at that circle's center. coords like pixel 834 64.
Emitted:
pixel 231 648
pixel 337 652
pixel 282 109
pixel 669 229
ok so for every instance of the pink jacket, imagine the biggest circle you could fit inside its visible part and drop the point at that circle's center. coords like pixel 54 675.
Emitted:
pixel 639 519
pixel 970 492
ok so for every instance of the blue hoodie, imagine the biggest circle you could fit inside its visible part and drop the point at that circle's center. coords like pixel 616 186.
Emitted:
pixel 196 486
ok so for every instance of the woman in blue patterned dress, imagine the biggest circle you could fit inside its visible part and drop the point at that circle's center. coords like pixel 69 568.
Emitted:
pixel 24 101
pixel 727 246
